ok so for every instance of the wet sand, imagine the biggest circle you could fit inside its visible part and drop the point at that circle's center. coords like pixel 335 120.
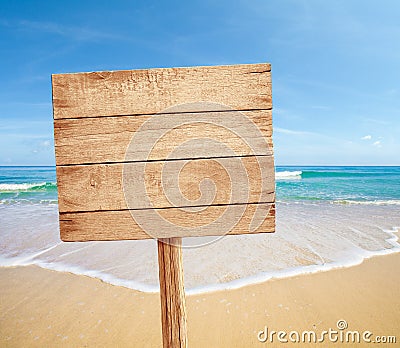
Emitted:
pixel 43 308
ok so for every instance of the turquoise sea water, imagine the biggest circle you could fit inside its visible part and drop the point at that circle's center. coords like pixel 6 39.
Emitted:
pixel 374 185
pixel 326 217
pixel 28 185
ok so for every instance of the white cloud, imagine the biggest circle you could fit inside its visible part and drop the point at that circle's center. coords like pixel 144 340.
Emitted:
pixel 292 132
pixel 376 121
pixel 75 33
pixel 45 143
pixel 367 137
pixel 377 143
pixel 320 107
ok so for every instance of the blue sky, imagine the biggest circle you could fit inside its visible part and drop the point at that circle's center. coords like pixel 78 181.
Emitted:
pixel 335 64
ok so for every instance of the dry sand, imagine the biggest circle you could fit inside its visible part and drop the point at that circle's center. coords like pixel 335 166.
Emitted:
pixel 42 308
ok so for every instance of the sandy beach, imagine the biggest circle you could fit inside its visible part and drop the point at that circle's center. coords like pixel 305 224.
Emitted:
pixel 43 308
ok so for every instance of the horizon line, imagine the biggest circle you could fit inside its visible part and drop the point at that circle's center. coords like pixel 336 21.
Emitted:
pixel 276 165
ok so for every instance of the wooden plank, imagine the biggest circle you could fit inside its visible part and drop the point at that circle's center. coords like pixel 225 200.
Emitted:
pixel 125 136
pixel 99 140
pixel 120 225
pixel 172 293
pixel 147 185
pixel 110 93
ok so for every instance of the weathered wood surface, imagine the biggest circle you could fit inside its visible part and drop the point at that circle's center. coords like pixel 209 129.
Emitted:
pixel 106 139
pixel 172 293
pixel 130 92
pixel 101 186
pixel 120 225
pixel 223 113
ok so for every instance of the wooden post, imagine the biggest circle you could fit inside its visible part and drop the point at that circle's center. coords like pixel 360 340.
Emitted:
pixel 115 130
pixel 172 293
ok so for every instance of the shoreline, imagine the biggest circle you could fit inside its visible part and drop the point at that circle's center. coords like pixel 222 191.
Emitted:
pixel 309 239
pixel 206 289
pixel 41 307
pixel 229 286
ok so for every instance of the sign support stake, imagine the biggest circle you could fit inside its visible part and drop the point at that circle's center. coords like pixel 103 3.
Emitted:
pixel 172 293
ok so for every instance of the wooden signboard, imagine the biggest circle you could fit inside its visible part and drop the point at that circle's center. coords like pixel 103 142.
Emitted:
pixel 165 154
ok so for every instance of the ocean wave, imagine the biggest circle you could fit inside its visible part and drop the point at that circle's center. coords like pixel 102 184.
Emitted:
pixel 339 236
pixel 28 201
pixel 332 173
pixel 27 187
pixel 289 271
pixel 375 202
pixel 288 174
pixel 343 174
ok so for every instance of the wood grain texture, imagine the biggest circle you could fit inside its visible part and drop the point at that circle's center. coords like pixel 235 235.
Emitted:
pixel 120 225
pixel 206 125
pixel 172 293
pixel 110 93
pixel 113 186
pixel 106 139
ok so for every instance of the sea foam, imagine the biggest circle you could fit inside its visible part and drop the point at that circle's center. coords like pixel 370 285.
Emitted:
pixel 309 238
pixel 288 174
pixel 372 202
pixel 18 187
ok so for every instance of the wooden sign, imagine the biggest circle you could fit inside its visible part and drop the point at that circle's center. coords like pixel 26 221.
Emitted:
pixel 165 154
pixel 222 114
